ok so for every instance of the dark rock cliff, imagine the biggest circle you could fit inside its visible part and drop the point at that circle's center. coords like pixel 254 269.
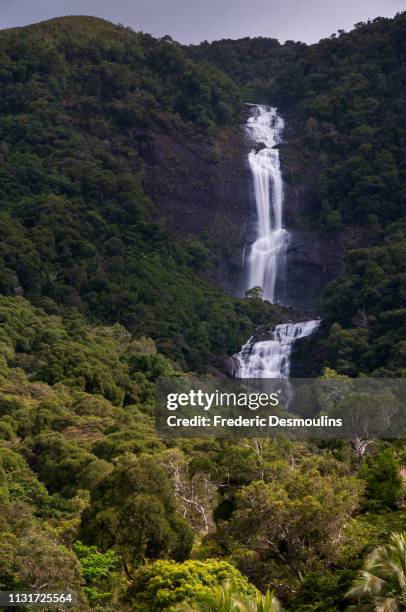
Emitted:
pixel 313 261
pixel 203 188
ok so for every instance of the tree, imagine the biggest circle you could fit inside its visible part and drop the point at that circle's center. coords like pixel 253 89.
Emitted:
pixel 195 494
pixel 292 525
pixel 133 511
pixel 162 584
pixel 97 569
pixel 322 591
pixel 384 484
pixel 226 598
pixel 254 292
pixel 381 584
pixel 32 559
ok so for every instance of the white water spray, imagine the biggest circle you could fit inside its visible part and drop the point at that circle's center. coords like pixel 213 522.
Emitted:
pixel 266 261
pixel 267 258
pixel 271 358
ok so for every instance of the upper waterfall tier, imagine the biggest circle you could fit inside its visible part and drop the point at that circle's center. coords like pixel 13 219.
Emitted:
pixel 266 261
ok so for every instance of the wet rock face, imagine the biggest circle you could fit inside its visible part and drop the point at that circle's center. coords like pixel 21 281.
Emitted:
pixel 202 187
pixel 313 261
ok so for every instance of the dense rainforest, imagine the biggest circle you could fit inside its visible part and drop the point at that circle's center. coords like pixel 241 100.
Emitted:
pixel 100 296
pixel 77 229
pixel 345 101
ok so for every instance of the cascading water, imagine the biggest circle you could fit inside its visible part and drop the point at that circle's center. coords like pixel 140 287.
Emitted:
pixel 271 358
pixel 266 262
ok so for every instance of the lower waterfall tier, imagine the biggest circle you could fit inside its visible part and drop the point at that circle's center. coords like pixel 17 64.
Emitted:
pixel 271 358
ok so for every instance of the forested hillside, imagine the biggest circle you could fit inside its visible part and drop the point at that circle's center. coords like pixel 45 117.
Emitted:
pixel 345 100
pixel 89 493
pixel 77 228
pixel 352 101
pixel 100 296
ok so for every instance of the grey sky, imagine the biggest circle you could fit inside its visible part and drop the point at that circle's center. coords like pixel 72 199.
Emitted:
pixel 191 21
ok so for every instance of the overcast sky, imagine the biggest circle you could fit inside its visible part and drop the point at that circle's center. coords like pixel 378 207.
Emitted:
pixel 191 21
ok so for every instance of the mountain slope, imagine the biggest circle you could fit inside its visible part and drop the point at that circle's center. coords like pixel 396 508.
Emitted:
pixel 121 190
pixel 123 179
pixel 344 163
pixel 77 227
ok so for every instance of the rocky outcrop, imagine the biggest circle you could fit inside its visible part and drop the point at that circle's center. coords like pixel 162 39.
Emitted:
pixel 313 261
pixel 202 187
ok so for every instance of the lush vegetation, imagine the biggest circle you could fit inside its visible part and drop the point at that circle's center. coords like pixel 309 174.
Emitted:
pixel 353 122
pixel 77 229
pixel 99 299
pixel 380 584
pixel 87 485
pixel 345 98
pixel 344 103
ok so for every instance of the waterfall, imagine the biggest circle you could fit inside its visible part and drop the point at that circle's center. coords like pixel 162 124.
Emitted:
pixel 266 261
pixel 271 358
